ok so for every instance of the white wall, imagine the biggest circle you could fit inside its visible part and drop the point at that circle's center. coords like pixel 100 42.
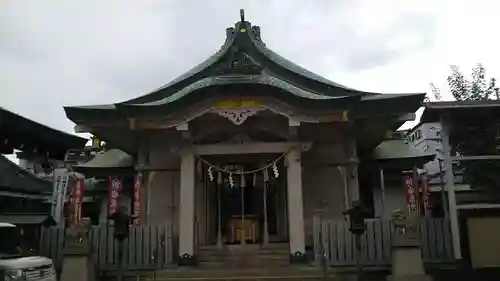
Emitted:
pixel 427 137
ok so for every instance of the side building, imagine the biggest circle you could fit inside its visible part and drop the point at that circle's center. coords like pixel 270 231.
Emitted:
pixel 27 188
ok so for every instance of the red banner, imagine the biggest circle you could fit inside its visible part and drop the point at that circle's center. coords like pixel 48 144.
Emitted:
pixel 410 194
pixel 114 194
pixel 79 189
pixel 137 198
pixel 74 208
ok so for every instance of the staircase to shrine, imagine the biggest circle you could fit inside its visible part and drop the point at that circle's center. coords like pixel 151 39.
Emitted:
pixel 244 262
pixel 244 256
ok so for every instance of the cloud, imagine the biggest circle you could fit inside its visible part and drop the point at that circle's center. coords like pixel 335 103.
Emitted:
pixel 66 52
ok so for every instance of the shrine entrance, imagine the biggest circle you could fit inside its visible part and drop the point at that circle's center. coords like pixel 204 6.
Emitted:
pixel 246 202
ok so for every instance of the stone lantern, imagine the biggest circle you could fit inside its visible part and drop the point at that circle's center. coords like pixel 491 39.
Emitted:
pixel 406 264
pixel 77 262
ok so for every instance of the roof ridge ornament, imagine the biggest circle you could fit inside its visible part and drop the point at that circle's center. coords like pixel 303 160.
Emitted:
pixel 242 15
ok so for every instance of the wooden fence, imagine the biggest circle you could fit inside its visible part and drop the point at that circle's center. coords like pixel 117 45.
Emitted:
pixel 153 247
pixel 148 247
pixel 339 245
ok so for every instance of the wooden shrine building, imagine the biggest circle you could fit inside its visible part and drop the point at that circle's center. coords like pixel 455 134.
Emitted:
pixel 33 139
pixel 20 189
pixel 247 147
pixel 25 197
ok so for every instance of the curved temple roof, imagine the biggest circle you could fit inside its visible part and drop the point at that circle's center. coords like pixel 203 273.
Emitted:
pixel 244 53
pixel 15 179
pixel 245 63
pixel 20 133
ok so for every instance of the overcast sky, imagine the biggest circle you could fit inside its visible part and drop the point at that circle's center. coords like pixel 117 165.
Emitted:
pixel 68 52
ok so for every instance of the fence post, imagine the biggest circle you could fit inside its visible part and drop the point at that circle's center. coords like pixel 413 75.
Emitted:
pixel 41 239
pixel 316 239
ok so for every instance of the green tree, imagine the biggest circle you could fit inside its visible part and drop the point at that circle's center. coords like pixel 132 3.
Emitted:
pixel 478 136
pixel 436 93
pixel 478 88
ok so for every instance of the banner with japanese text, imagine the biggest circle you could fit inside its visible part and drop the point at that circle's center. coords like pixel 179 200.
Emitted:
pixel 78 198
pixel 60 188
pixel 137 198
pixel 410 194
pixel 114 194
pixel 424 187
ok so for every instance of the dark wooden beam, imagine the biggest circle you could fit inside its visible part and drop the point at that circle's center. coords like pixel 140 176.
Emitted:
pixel 6 149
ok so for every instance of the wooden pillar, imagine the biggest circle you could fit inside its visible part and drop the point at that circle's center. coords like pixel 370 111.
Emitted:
pixel 243 235
pixel 187 210
pixel 450 188
pixel 444 204
pixel 142 161
pixel 265 187
pixel 295 207
pixel 352 168
pixel 382 191
pixel 219 210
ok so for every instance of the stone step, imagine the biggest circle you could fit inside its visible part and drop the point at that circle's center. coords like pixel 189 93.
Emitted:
pixel 309 277
pixel 254 263
pixel 247 246
pixel 264 257
pixel 237 249
pixel 263 253
pixel 283 273
pixel 292 272
pixel 245 250
pixel 253 278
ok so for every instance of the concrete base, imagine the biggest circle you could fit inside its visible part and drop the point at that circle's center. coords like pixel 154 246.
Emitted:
pixel 407 263
pixel 77 268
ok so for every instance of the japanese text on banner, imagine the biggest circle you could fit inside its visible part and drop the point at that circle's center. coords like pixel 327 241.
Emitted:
pixel 115 189
pixel 78 199
pixel 137 198
pixel 410 193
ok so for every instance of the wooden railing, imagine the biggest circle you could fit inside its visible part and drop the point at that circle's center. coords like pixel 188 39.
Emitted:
pixel 153 247
pixel 148 247
pixel 339 247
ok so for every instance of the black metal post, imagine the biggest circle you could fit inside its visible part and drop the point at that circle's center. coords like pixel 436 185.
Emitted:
pixel 121 231
pixel 324 261
pixel 323 258
pixel 357 226
pixel 119 264
pixel 359 265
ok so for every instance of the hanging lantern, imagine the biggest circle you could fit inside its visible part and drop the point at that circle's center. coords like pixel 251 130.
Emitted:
pixel 276 172
pixel 266 175
pixel 219 178
pixel 210 173
pixel 243 182
pixel 231 181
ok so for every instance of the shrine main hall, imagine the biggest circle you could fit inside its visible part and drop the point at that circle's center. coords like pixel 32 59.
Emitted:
pixel 247 147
